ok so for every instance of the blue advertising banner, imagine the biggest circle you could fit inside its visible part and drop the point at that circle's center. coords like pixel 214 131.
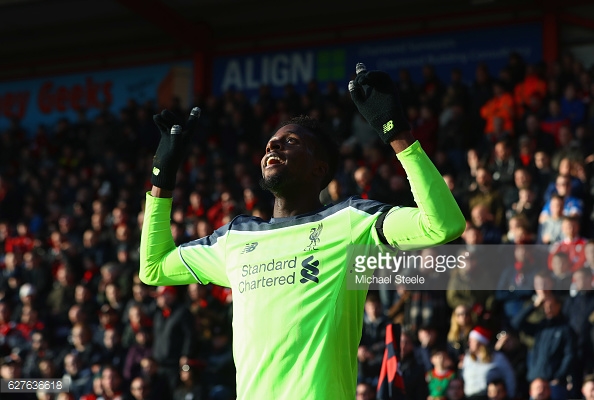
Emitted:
pixel 46 100
pixel 463 50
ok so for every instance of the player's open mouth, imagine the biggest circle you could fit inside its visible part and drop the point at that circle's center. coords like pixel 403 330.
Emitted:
pixel 273 160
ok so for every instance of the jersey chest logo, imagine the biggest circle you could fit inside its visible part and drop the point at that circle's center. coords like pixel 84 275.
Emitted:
pixel 310 270
pixel 314 238
pixel 249 247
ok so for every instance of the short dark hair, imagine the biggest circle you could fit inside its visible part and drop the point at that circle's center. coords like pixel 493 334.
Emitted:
pixel 497 382
pixel 588 378
pixel 440 349
pixel 327 148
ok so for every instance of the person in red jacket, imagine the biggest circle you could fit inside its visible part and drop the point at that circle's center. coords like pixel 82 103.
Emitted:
pixel 500 106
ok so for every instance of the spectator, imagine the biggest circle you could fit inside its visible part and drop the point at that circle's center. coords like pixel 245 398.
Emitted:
pixel 37 273
pixel 137 320
pixel 540 390
pixel 456 389
pixel 588 387
pixel 112 351
pixel 500 106
pixel 39 350
pixel 516 282
pixel 172 333
pixel 522 179
pixel 372 345
pixel 111 384
pixel 142 348
pixel 461 324
pixel 442 373
pixel 561 267
pixel 108 319
pixel 82 343
pixel 578 309
pixel 61 297
pixel 29 322
pixel 79 379
pixel 27 297
pixel 509 344
pixel 429 342
pixel 496 390
pixel 413 373
pixel 10 337
pixel 504 164
pixel 554 120
pixel 160 386
pixel 140 389
pixel 572 108
pixel 543 172
pixel 531 86
pixel 367 187
pixel 481 364
pixel 483 192
pixel 365 391
pixel 140 297
pixel 549 230
pixel 518 230
pixel 572 244
pixel 467 285
pixel 551 358
pixel 568 148
pixel 572 206
pixel 565 167
pixel 483 220
pixel 48 369
pixel 11 369
pixel 189 388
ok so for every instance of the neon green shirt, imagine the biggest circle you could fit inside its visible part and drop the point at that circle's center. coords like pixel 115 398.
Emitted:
pixel 296 327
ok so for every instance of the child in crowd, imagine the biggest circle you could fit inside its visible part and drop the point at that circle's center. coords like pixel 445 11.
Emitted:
pixel 440 376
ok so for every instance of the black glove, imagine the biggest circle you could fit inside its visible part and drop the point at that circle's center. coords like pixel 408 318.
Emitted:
pixel 375 95
pixel 172 147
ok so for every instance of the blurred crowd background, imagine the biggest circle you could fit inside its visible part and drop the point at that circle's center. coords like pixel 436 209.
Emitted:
pixel 515 146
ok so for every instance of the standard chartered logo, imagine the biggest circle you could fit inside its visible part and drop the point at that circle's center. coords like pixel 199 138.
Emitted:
pixel 310 270
pixel 277 272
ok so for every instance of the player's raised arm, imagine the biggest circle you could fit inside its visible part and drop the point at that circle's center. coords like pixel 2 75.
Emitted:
pixel 160 263
pixel 438 218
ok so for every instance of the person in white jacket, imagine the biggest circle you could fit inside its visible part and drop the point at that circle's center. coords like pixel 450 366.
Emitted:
pixel 482 365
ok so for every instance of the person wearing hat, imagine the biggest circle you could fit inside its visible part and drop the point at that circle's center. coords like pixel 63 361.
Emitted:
pixel 481 365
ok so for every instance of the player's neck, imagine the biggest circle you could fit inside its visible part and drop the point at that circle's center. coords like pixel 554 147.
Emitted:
pixel 295 205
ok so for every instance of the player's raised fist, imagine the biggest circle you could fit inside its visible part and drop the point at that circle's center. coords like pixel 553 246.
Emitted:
pixel 375 95
pixel 172 146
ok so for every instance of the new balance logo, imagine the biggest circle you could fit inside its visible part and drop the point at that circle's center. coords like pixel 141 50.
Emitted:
pixel 388 126
pixel 249 247
pixel 310 270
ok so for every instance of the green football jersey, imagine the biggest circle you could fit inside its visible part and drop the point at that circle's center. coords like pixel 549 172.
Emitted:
pixel 296 326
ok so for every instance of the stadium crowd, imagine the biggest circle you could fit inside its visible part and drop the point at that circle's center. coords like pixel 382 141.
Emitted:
pixel 515 146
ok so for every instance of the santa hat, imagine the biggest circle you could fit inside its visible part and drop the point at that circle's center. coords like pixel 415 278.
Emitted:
pixel 163 290
pixel 481 335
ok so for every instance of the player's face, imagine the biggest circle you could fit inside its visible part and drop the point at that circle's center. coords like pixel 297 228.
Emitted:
pixel 290 156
